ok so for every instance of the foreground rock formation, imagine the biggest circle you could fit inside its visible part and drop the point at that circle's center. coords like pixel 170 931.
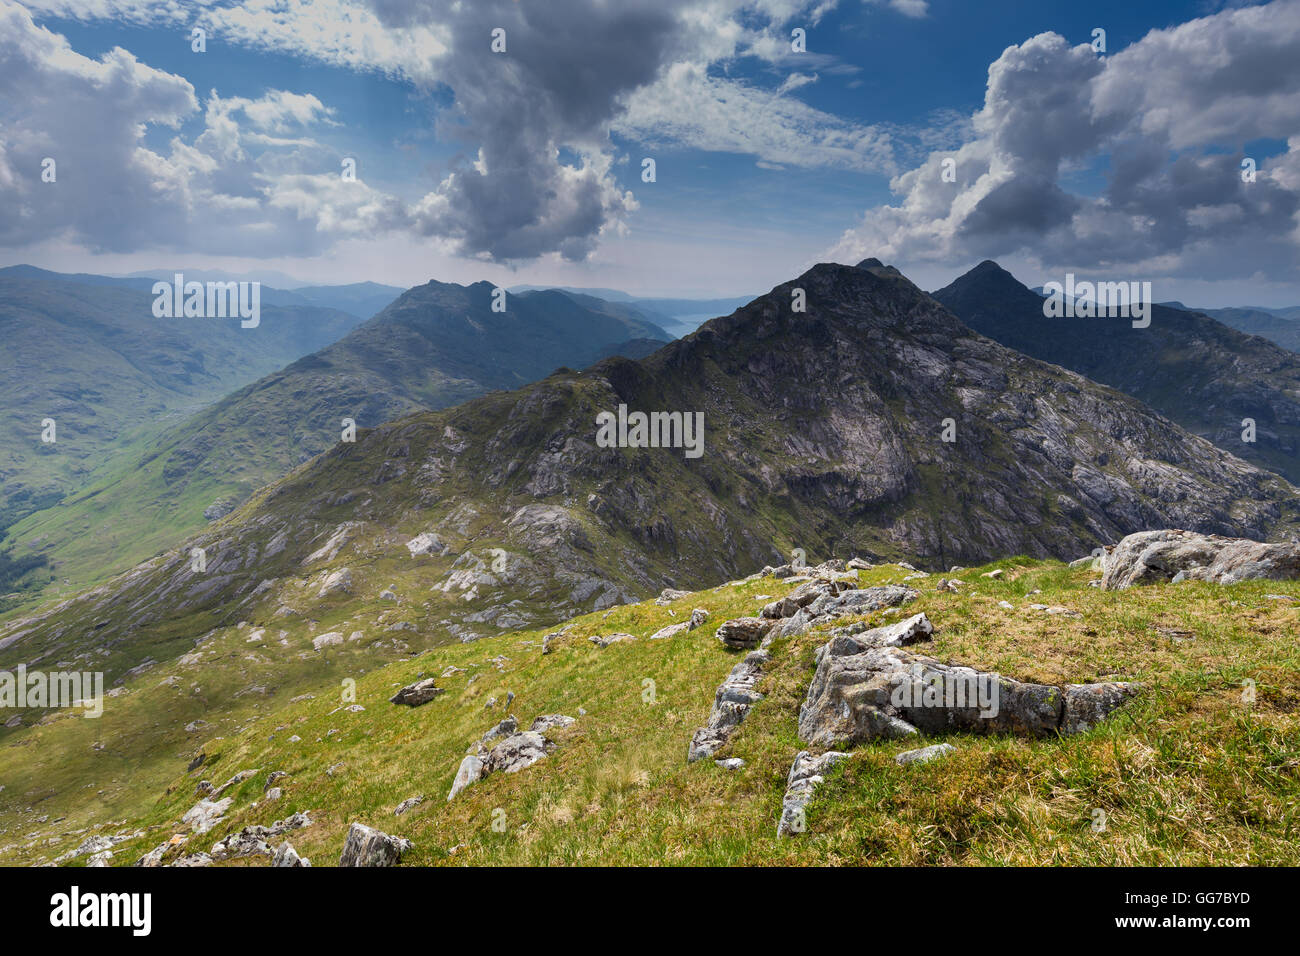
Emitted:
pixel 870 686
pixel 805 775
pixel 1172 555
pixel 366 846
pixel 514 751
pixel 731 705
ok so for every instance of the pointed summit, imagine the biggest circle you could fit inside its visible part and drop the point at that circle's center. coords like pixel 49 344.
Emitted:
pixel 877 267
pixel 1202 374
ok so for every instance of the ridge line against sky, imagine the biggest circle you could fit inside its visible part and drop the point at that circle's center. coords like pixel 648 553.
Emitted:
pixel 525 166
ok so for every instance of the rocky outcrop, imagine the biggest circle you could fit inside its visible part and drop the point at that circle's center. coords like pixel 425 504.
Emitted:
pixel 255 840
pixel 513 752
pixel 426 543
pixel 1171 555
pixel 734 699
pixel 870 686
pixel 336 582
pixel 413 695
pixel 205 814
pixel 603 641
pixel 330 639
pixel 743 632
pixel 286 855
pixel 369 847
pixel 469 772
pixel 551 722
pixel 806 773
pixel 517 752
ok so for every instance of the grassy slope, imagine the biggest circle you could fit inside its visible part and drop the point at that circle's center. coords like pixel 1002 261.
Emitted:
pixel 1186 774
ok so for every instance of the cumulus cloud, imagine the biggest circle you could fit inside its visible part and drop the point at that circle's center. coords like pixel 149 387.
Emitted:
pixel 233 187
pixel 1159 115
pixel 535 123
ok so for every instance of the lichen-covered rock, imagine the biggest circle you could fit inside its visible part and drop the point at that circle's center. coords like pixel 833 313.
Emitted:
pixel 864 688
pixel 744 632
pixel 862 600
pixel 517 752
pixel 426 543
pixel 505 728
pixel 924 754
pixel 549 721
pixel 286 855
pixel 413 695
pixel 329 639
pixel 1086 705
pixel 608 639
pixel 203 816
pixel 410 803
pixel 469 772
pixel 698 617
pixel 672 630
pixel 336 582
pixel 1171 555
pixel 731 705
pixel 250 841
pixel 369 847
pixel 806 773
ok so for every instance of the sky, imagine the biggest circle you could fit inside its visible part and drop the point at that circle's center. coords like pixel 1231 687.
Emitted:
pixel 931 134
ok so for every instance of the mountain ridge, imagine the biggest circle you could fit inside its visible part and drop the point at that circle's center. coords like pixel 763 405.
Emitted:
pixel 1198 372
pixel 436 345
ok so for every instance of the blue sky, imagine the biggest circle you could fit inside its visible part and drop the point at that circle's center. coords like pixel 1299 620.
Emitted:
pixel 1118 165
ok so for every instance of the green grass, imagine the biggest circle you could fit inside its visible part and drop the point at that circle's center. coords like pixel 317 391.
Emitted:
pixel 1187 773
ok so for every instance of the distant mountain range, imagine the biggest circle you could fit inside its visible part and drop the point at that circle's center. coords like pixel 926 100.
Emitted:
pixel 87 352
pixel 436 345
pixel 875 423
pixel 678 316
pixel 1198 372
pixel 361 299
pixel 1280 326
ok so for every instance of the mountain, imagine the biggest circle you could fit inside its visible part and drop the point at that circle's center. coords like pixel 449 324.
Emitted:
pixel 90 355
pixel 359 299
pixel 362 299
pixel 1201 374
pixel 437 345
pixel 678 316
pixel 823 431
pixel 1279 326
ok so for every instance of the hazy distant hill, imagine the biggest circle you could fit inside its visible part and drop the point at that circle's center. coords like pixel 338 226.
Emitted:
pixel 87 352
pixel 437 345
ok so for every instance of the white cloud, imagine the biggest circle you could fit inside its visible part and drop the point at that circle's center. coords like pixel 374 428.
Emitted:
pixel 688 107
pixel 1160 114
pixel 537 121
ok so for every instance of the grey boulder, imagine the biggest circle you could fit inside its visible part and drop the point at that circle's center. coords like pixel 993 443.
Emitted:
pixel 369 847
pixel 1172 555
